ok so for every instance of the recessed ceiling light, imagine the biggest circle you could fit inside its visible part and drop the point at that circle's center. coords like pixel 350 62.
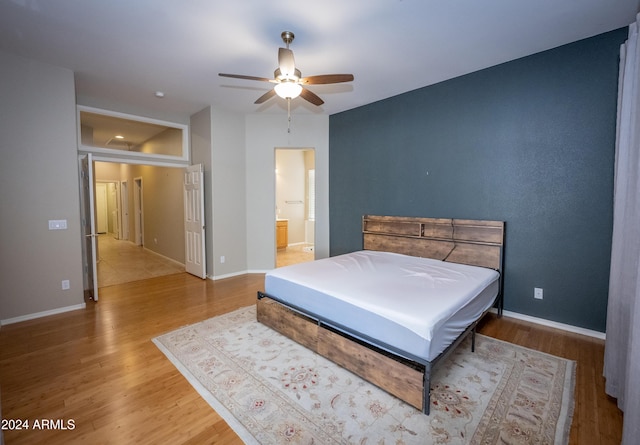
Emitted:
pixel 119 137
pixel 159 94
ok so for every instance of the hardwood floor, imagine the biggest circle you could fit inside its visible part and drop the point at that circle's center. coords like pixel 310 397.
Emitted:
pixel 99 369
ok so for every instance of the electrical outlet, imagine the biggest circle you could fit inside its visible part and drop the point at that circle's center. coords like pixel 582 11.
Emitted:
pixel 537 293
pixel 222 259
pixel 66 285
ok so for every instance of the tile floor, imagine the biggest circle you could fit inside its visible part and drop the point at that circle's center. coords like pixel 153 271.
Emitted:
pixel 121 261
pixel 294 254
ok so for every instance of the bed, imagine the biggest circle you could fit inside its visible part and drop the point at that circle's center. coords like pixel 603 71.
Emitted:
pixel 394 310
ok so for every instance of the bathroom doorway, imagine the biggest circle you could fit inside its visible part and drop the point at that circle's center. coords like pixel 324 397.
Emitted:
pixel 295 205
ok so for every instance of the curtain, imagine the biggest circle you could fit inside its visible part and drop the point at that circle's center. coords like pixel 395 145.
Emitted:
pixel 622 346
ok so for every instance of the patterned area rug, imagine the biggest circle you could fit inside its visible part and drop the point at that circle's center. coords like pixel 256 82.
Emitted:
pixel 273 391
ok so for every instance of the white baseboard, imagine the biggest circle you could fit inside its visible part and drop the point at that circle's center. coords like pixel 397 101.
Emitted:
pixel 177 263
pixel 229 275
pixel 42 314
pixel 554 324
pixel 259 271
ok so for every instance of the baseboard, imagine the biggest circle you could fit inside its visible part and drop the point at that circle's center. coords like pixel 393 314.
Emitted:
pixel 43 314
pixel 177 263
pixel 229 275
pixel 554 324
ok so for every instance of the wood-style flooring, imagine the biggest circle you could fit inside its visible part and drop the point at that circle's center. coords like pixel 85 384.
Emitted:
pixel 97 370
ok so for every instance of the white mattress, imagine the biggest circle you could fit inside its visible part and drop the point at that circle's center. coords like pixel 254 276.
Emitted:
pixel 417 305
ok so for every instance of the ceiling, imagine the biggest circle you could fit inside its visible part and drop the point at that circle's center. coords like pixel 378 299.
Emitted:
pixel 123 51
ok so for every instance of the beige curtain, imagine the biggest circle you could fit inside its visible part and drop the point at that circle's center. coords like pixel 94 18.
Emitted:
pixel 622 347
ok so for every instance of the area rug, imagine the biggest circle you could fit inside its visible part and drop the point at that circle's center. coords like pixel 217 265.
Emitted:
pixel 271 390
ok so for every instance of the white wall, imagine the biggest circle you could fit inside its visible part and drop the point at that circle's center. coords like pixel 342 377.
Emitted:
pixel 263 134
pixel 39 182
pixel 201 153
pixel 238 153
pixel 218 142
pixel 229 193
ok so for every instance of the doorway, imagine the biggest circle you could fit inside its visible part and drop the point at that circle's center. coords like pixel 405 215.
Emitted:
pixel 101 208
pixel 150 245
pixel 295 205
pixel 108 205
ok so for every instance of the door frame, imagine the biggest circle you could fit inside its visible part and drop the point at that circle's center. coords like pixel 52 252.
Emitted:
pixel 97 157
pixel 276 195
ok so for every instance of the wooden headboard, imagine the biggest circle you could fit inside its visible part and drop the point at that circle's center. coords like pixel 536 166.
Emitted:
pixel 466 241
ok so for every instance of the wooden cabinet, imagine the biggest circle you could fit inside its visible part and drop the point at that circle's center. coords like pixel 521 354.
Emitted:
pixel 282 233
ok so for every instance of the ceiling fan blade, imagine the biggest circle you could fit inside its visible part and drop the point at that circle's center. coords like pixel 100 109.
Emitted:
pixel 266 96
pixel 286 62
pixel 326 78
pixel 240 76
pixel 311 97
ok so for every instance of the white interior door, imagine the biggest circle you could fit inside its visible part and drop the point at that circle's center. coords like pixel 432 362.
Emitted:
pixel 89 246
pixel 195 262
pixel 124 210
pixel 101 208
pixel 138 211
pixel 114 206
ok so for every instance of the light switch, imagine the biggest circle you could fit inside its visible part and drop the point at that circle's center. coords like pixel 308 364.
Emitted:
pixel 57 224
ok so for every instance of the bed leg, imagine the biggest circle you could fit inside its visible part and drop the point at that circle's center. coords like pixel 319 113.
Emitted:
pixel 473 340
pixel 426 396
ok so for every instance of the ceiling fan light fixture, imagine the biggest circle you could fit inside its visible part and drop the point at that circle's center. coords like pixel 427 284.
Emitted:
pixel 288 80
pixel 288 90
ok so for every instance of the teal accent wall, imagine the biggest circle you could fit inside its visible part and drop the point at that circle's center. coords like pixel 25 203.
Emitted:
pixel 530 142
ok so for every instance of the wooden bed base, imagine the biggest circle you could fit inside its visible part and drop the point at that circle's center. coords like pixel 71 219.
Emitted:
pixel 474 242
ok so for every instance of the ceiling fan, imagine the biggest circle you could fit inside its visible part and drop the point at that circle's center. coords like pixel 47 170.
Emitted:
pixel 288 79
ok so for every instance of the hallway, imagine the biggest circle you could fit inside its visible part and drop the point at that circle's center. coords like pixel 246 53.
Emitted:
pixel 121 261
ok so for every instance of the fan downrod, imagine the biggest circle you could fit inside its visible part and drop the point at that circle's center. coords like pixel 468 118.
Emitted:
pixel 287 37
